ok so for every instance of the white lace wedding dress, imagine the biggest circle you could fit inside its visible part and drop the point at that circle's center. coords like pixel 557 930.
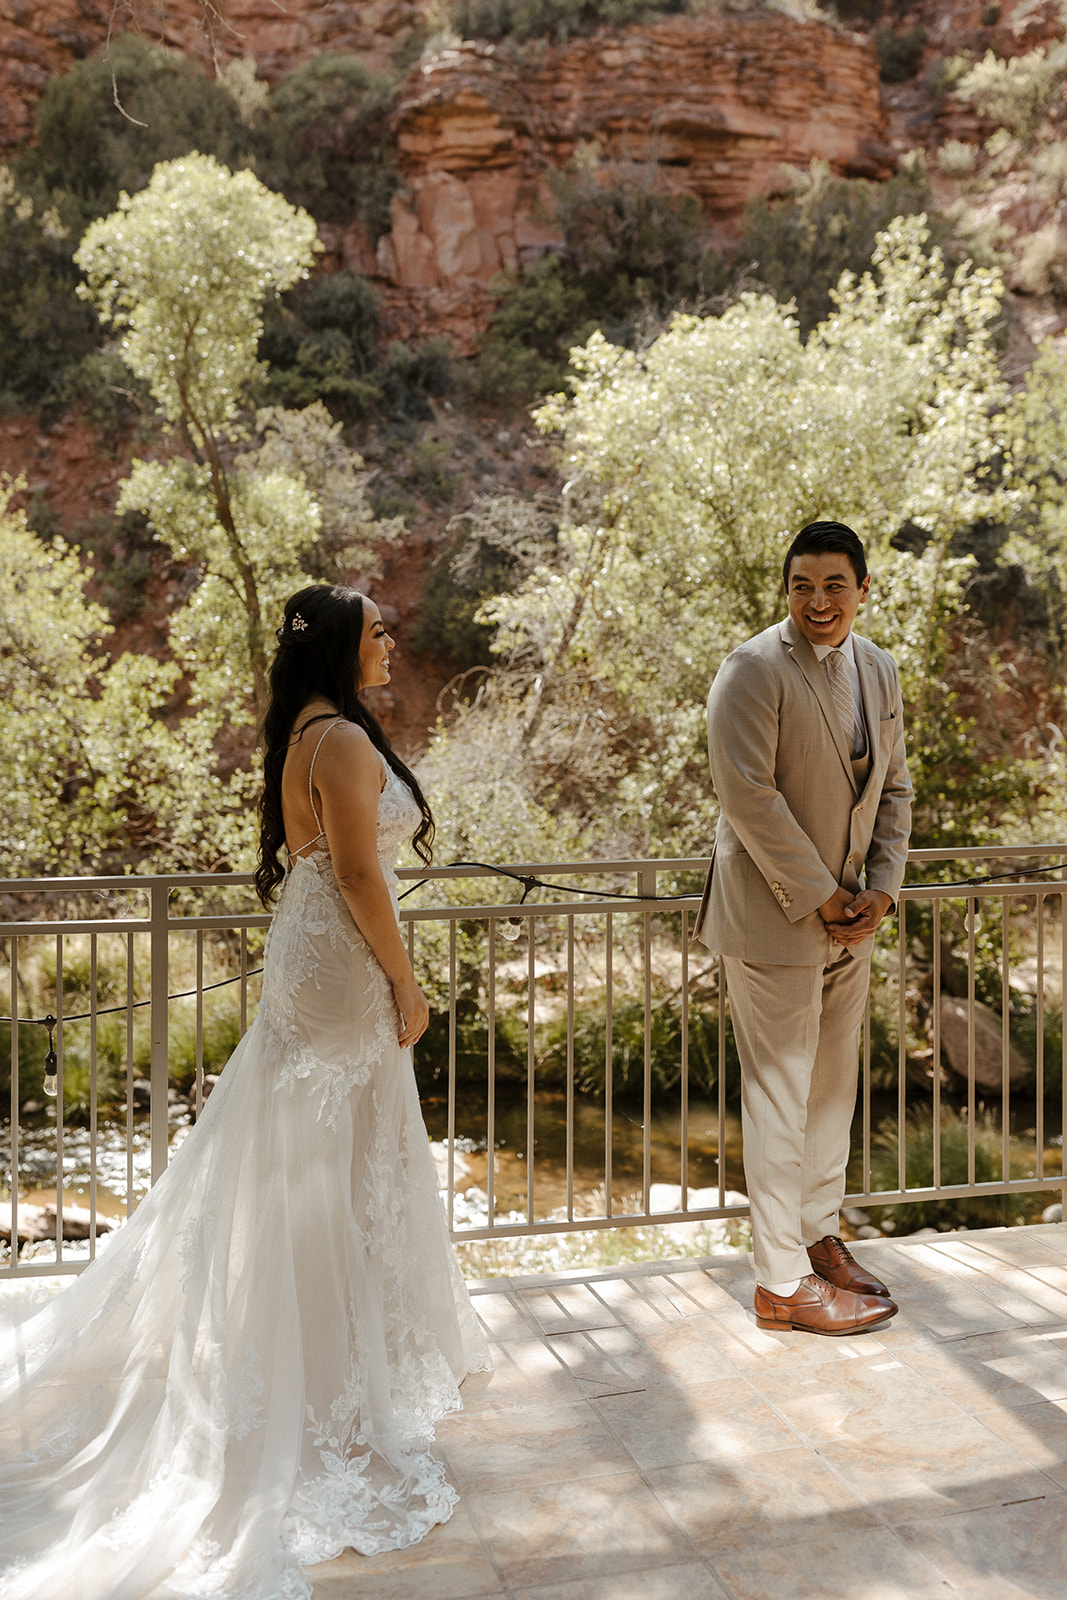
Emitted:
pixel 246 1380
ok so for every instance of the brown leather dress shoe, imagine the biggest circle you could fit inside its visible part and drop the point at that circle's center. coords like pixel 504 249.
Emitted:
pixel 820 1307
pixel 834 1261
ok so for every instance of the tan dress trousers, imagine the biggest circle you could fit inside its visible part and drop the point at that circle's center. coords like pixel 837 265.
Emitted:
pixel 797 1032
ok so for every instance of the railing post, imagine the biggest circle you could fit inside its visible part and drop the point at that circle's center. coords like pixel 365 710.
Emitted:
pixel 159 945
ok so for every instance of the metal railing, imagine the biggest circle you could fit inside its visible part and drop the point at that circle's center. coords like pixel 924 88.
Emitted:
pixel 603 990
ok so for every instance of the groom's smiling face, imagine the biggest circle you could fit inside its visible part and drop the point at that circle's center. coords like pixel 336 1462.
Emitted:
pixel 824 596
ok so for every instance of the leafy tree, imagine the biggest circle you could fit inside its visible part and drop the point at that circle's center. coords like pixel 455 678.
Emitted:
pixel 92 774
pixel 683 465
pixel 183 268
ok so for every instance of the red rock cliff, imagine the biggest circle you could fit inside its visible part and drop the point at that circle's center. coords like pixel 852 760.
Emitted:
pixel 716 102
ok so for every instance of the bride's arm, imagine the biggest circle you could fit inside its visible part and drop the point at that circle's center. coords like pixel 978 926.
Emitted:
pixel 348 777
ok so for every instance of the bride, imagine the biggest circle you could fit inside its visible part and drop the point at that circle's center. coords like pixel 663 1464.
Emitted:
pixel 246 1381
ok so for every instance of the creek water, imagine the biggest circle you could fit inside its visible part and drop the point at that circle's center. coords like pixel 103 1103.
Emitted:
pixel 550 1146
pixel 38 1176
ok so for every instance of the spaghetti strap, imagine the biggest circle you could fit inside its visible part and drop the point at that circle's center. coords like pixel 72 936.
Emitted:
pixel 311 772
pixel 311 790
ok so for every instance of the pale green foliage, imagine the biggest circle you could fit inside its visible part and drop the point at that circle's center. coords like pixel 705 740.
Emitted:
pixel 951 71
pixel 688 467
pixel 1049 169
pixel 89 772
pixel 1036 423
pixel 276 521
pixel 184 267
pixel 307 445
pixel 1042 265
pixel 1018 92
pixel 251 95
pixel 957 159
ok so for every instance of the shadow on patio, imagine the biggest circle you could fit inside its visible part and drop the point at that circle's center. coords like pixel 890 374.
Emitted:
pixel 641 1439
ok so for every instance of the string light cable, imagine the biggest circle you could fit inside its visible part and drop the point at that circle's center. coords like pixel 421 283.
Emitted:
pixel 511 931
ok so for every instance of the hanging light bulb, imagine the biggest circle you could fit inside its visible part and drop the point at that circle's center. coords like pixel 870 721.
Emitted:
pixel 512 927
pixel 51 1074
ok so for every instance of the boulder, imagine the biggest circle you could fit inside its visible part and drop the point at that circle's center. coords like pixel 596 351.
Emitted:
pixel 988 1071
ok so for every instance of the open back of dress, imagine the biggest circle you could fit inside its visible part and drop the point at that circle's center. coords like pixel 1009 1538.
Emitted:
pixel 246 1380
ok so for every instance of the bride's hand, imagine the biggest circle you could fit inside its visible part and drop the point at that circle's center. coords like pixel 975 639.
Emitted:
pixel 413 1012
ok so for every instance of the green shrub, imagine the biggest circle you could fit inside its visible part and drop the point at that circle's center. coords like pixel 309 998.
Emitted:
pixel 221 1036
pixel 44 328
pixel 472 1048
pixel 429 473
pixel 446 625
pixel 121 551
pixel 325 144
pixel 88 150
pixel 113 399
pixel 553 19
pixel 409 377
pixel 323 140
pixel 321 343
pixel 630 248
pixel 800 246
pixel 631 243
pixel 855 10
pixel 979 1212
pixel 524 351
pixel 490 548
pixel 628 1050
pixel 899 53
pixel 1024 1037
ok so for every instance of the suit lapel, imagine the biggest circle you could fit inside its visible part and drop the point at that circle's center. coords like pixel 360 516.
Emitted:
pixel 806 660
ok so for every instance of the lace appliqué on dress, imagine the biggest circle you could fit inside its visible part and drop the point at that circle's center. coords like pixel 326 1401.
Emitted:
pixel 245 1411
pixel 73 1429
pixel 311 912
pixel 386 1514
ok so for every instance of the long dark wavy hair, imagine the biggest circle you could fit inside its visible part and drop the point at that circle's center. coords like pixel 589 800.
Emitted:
pixel 318 653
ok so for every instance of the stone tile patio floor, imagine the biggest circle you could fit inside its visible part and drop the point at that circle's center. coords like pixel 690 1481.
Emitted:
pixel 642 1439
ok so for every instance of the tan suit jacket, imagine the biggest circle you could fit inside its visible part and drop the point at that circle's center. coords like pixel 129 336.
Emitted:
pixel 793 824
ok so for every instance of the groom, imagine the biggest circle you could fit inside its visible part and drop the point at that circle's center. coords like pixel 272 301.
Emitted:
pixel 806 743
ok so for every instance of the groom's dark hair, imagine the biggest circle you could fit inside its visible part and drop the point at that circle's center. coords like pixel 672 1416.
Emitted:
pixel 827 538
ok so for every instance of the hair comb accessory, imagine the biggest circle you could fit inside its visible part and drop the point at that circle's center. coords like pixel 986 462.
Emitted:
pixel 297 624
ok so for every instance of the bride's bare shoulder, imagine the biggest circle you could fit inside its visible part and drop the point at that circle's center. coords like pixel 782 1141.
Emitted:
pixel 347 756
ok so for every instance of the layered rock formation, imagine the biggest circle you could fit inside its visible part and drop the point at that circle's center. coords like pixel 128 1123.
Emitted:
pixel 715 104
pixel 42 37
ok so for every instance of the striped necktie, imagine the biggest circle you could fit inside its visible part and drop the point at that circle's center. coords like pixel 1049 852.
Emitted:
pixel 841 684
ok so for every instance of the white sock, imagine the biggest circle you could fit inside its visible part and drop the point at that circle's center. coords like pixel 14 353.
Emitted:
pixel 783 1289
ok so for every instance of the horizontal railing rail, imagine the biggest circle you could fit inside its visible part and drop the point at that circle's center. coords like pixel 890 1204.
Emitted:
pixel 627 1131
